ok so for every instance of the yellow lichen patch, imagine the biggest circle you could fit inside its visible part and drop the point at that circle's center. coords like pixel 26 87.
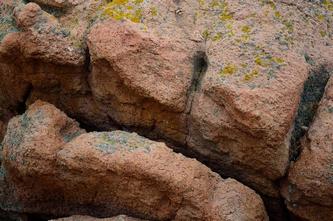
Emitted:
pixel 205 34
pixel 277 15
pixel 271 3
pixel 215 4
pixel 328 4
pixel 225 15
pixel 230 30
pixel 289 25
pixel 201 3
pixel 261 62
pixel 278 60
pixel 265 59
pixel 228 70
pixel 217 36
pixel 153 11
pixel 125 9
pixel 246 29
pixel 323 33
pixel 321 17
pixel 250 76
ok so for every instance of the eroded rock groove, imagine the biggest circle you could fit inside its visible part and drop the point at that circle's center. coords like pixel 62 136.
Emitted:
pixel 313 91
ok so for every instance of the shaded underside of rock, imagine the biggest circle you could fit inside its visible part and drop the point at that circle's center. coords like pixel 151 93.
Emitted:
pixel 53 167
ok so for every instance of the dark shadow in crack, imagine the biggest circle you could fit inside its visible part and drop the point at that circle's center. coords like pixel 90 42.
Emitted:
pixel 313 91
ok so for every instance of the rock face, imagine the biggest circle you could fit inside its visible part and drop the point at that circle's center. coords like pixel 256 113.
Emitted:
pixel 44 61
pixel 309 188
pixel 88 218
pixel 219 80
pixel 53 167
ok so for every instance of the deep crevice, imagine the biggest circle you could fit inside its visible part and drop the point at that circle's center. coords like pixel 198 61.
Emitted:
pixel 87 61
pixel 313 91
pixel 200 66
pixel 22 105
pixel 34 217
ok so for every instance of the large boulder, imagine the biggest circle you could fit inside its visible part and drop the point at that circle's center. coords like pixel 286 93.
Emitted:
pixel 53 167
pixel 220 80
pixel 309 188
pixel 247 79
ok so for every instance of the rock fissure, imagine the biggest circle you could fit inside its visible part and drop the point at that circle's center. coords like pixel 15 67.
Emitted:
pixel 22 105
pixel 313 91
pixel 200 66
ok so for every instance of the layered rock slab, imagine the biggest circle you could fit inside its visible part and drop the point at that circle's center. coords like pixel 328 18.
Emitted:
pixel 221 80
pixel 309 188
pixel 54 168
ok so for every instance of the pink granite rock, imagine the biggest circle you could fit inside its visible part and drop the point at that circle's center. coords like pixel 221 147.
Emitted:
pixel 54 168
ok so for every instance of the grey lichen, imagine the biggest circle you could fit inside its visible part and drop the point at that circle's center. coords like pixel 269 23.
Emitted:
pixel 122 141
pixel 7 22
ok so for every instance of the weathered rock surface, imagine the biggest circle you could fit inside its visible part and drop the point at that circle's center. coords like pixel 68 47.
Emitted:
pixel 88 218
pixel 220 80
pixel 53 167
pixel 218 122
pixel 309 188
pixel 46 60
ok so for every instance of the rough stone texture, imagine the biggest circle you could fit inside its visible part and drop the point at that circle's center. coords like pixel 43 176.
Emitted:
pixel 309 188
pixel 220 80
pixel 41 62
pixel 2 129
pixel 52 167
pixel 7 216
pixel 88 218
pixel 150 96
